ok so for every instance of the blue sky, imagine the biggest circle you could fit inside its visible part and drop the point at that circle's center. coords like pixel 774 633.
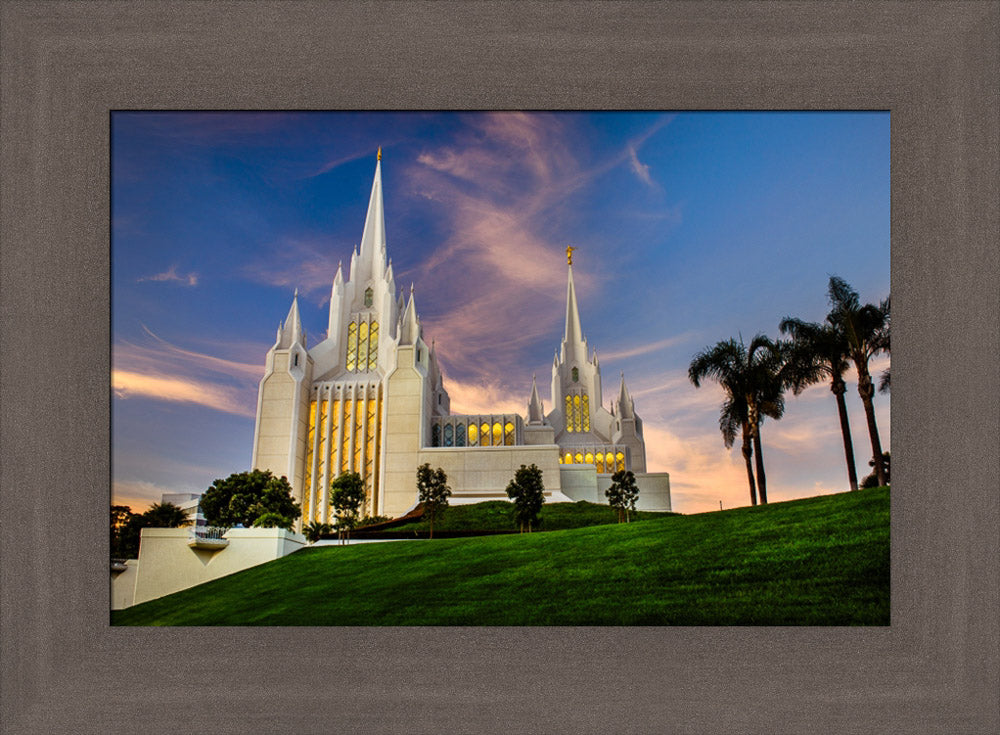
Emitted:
pixel 690 227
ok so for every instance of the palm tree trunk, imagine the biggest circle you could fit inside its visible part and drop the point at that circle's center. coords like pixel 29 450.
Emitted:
pixel 747 454
pixel 761 479
pixel 838 389
pixel 867 390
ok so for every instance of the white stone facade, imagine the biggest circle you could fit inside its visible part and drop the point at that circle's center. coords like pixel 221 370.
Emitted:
pixel 370 399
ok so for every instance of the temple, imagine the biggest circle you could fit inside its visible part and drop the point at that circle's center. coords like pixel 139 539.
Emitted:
pixel 370 398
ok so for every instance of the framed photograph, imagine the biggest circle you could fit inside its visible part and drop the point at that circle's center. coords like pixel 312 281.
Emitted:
pixel 931 68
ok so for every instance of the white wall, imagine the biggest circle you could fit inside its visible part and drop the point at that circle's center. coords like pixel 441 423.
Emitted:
pixel 123 586
pixel 167 563
pixel 483 473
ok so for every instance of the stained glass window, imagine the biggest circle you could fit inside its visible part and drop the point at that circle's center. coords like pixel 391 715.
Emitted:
pixel 373 346
pixel 435 436
pixel 368 296
pixel 449 435
pixel 497 435
pixel 585 408
pixel 508 434
pixel 460 435
pixel 484 434
pixel 569 414
pixel 352 346
pixel 578 458
pixel 362 346
pixel 576 375
pixel 473 434
pixel 620 458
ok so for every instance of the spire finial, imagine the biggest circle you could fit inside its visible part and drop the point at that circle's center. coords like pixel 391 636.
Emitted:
pixel 296 294
pixel 378 156
pixel 569 254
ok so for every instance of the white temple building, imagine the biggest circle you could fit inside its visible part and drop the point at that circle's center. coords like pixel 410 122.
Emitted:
pixel 370 398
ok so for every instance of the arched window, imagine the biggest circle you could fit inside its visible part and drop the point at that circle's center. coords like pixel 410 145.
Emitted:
pixel 508 434
pixel 368 296
pixel 497 435
pixel 373 346
pixel 620 461
pixel 460 435
pixel 568 458
pixel 576 375
pixel 589 459
pixel 448 435
pixel 484 435
pixel 435 436
pixel 578 458
pixel 609 463
pixel 599 463
pixel 569 414
pixel 473 434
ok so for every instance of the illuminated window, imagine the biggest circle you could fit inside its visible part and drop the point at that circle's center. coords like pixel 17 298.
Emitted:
pixel 569 414
pixel 370 440
pixel 473 434
pixel 324 447
pixel 460 435
pixel 508 434
pixel 352 346
pixel 363 346
pixel 484 433
pixel 307 482
pixel 620 461
pixel 576 375
pixel 497 435
pixel 577 422
pixel 368 296
pixel 435 436
pixel 589 459
pixel 578 458
pixel 568 458
pixel 345 447
pixel 373 346
pixel 359 437
pixel 599 463
pixel 449 435
pixel 585 408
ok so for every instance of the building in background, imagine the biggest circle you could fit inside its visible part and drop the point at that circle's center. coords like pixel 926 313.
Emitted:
pixel 369 398
pixel 189 503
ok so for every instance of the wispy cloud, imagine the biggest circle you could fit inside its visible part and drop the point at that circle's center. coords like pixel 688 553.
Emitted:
pixel 646 348
pixel 163 371
pixel 172 276
pixel 639 168
pixel 308 265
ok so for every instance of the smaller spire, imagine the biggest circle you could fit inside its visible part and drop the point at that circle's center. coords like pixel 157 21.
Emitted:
pixel 378 156
pixel 625 408
pixel 292 331
pixel 536 414
pixel 409 331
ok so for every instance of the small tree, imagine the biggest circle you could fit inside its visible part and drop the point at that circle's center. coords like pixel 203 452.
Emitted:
pixel 243 497
pixel 347 493
pixel 120 516
pixel 165 515
pixel 269 519
pixel 315 530
pixel 527 492
pixel 433 492
pixel 622 494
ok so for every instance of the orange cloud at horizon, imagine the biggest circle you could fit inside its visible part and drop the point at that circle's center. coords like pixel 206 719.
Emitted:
pixel 126 384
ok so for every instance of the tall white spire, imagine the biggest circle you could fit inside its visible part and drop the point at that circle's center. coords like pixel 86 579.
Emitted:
pixel 371 258
pixel 574 344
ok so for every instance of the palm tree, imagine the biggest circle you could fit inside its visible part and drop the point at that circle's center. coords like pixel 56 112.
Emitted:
pixel 751 377
pixel 865 328
pixel 819 352
pixel 166 515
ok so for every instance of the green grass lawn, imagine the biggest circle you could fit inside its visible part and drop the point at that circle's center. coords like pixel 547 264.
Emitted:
pixel 498 515
pixel 817 561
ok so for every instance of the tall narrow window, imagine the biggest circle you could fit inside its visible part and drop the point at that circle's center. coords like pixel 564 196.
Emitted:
pixel 307 482
pixel 460 435
pixel 497 435
pixel 345 446
pixel 473 435
pixel 620 461
pixel 577 423
pixel 568 459
pixel 484 435
pixel 435 436
pixel 579 458
pixel 449 435
pixel 363 346
pixel 569 414
pixel 508 434
pixel 352 347
pixel 585 408
pixel 373 346
pixel 368 297
pixel 370 442
pixel 576 375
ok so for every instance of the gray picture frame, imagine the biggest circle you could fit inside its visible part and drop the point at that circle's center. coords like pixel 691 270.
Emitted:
pixel 65 65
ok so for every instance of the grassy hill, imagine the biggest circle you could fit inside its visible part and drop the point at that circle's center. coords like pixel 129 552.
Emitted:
pixel 498 515
pixel 817 561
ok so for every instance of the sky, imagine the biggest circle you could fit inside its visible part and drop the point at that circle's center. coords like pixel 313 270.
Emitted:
pixel 689 228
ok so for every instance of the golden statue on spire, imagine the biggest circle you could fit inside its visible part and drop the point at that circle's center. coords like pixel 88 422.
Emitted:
pixel 569 254
pixel 378 156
